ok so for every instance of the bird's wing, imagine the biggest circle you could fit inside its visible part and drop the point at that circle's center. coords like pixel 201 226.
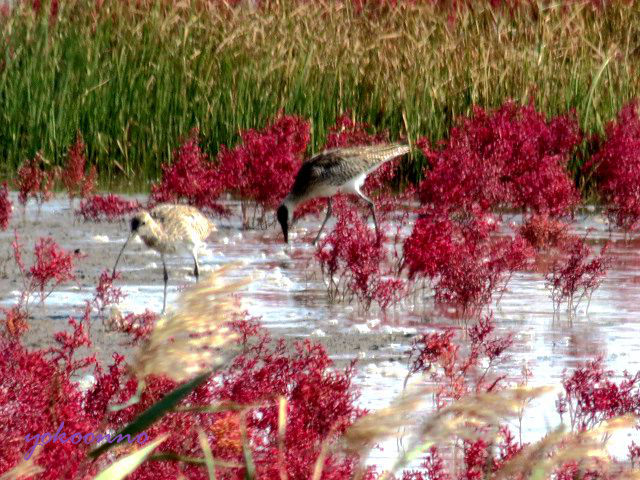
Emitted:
pixel 339 165
pixel 323 168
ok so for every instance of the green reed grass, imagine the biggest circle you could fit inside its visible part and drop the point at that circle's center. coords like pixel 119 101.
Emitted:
pixel 134 79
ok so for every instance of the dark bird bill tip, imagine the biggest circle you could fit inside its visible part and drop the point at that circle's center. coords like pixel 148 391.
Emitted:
pixel 283 220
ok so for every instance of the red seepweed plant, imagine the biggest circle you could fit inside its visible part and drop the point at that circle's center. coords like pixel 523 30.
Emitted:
pixel 109 208
pixel 77 180
pixel 577 274
pixel 34 182
pixel 591 396
pixel 191 178
pixel 616 166
pixel 511 157
pixel 6 207
pixel 454 373
pixel 463 258
pixel 355 262
pixel 52 266
pixel 107 294
pixel 544 232
pixel 261 170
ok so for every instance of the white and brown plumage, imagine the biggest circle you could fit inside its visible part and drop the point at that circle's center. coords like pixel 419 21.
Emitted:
pixel 171 229
pixel 339 170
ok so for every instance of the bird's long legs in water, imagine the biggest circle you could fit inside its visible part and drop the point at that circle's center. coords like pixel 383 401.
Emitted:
pixel 325 221
pixel 196 268
pixel 166 281
pixel 372 207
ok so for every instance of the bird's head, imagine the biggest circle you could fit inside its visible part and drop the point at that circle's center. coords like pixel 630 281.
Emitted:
pixel 283 215
pixel 141 223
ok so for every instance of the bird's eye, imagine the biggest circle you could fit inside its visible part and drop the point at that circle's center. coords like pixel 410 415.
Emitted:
pixel 142 223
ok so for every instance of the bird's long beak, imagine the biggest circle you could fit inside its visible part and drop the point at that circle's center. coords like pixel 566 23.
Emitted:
pixel 113 273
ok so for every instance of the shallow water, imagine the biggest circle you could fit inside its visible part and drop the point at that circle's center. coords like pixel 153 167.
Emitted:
pixel 289 294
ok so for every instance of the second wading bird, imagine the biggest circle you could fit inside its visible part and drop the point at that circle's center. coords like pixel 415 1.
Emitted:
pixel 170 229
pixel 339 170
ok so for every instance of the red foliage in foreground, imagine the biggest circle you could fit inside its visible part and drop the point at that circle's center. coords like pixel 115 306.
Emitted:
pixel 511 157
pixel 455 374
pixel 109 208
pixel 78 182
pixel 591 397
pixel 137 325
pixel 190 178
pixel 466 264
pixel 263 167
pixel 320 405
pixel 353 260
pixel 6 207
pixel 34 182
pixel 577 275
pixel 42 396
pixel 617 169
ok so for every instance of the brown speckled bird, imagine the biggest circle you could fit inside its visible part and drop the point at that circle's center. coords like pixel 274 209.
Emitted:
pixel 170 229
pixel 340 170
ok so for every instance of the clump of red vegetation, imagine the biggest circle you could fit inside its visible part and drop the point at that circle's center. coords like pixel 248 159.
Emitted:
pixel 107 293
pixel 137 325
pixel 511 157
pixel 15 321
pixel 52 266
pixel 591 396
pixel 577 274
pixel 42 396
pixel 34 181
pixel 617 169
pixel 462 258
pixel 190 178
pixel 261 170
pixel 109 208
pixel 6 207
pixel 78 182
pixel 543 232
pixel 42 386
pixel 354 261
pixel 457 373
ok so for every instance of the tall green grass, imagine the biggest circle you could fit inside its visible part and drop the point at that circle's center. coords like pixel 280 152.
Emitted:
pixel 134 79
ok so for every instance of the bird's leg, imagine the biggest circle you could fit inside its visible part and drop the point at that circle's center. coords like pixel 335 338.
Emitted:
pixel 324 222
pixel 166 281
pixel 196 269
pixel 372 207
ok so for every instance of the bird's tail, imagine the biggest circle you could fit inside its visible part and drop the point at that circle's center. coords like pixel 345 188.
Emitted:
pixel 384 153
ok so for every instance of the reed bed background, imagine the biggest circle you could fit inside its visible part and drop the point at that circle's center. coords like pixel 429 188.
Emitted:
pixel 135 77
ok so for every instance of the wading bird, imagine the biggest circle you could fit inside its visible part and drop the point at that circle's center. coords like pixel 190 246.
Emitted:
pixel 339 170
pixel 170 229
